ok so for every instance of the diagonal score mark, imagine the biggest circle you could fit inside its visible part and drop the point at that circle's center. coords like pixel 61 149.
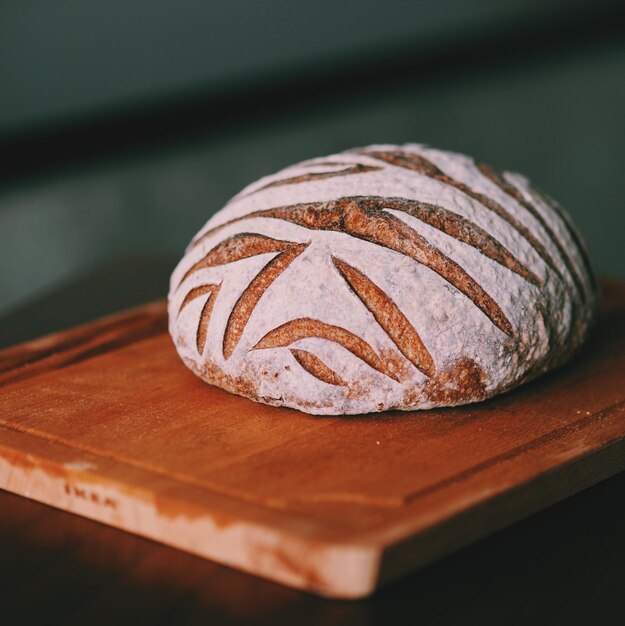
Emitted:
pixel 572 230
pixel 236 248
pixel 205 316
pixel 448 222
pixel 305 327
pixel 389 317
pixel 513 192
pixel 349 169
pixel 423 166
pixel 464 230
pixel 247 301
pixel 317 368
pixel 202 330
pixel 366 220
pixel 363 217
pixel 196 292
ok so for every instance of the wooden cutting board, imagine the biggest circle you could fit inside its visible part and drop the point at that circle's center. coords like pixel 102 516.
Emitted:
pixel 105 421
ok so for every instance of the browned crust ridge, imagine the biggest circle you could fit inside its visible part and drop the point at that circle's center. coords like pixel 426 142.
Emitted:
pixel 305 327
pixel 389 316
pixel 196 292
pixel 235 248
pixel 317 368
pixel 205 315
pixel 247 301
pixel 516 194
pixel 423 166
pixel 349 170
pixel 363 217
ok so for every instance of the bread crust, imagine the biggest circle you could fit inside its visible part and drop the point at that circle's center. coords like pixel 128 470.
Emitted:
pixel 385 277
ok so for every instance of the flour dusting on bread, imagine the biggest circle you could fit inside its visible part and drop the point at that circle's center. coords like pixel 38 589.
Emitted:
pixel 386 277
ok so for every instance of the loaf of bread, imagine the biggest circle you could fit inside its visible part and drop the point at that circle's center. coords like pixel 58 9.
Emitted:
pixel 387 277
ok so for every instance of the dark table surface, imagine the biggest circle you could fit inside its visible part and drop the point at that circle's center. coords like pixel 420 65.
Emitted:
pixel 565 565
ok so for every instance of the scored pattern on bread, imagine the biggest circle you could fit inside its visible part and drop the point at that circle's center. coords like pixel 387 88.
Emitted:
pixel 364 217
pixel 317 368
pixel 202 328
pixel 349 169
pixel 248 300
pixel 513 192
pixel 197 292
pixel 389 317
pixel 572 231
pixel 496 231
pixel 235 248
pixel 304 328
pixel 425 167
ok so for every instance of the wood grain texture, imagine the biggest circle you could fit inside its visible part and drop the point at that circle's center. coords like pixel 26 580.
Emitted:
pixel 106 422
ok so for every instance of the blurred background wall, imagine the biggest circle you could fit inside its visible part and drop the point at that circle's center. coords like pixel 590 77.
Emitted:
pixel 125 125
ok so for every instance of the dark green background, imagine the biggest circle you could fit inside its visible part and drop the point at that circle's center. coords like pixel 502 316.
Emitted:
pixel 127 124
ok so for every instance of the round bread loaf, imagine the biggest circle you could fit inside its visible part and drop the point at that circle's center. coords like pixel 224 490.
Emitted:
pixel 387 277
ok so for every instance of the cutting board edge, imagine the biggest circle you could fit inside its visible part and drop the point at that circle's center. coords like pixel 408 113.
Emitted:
pixel 341 568
pixel 500 512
